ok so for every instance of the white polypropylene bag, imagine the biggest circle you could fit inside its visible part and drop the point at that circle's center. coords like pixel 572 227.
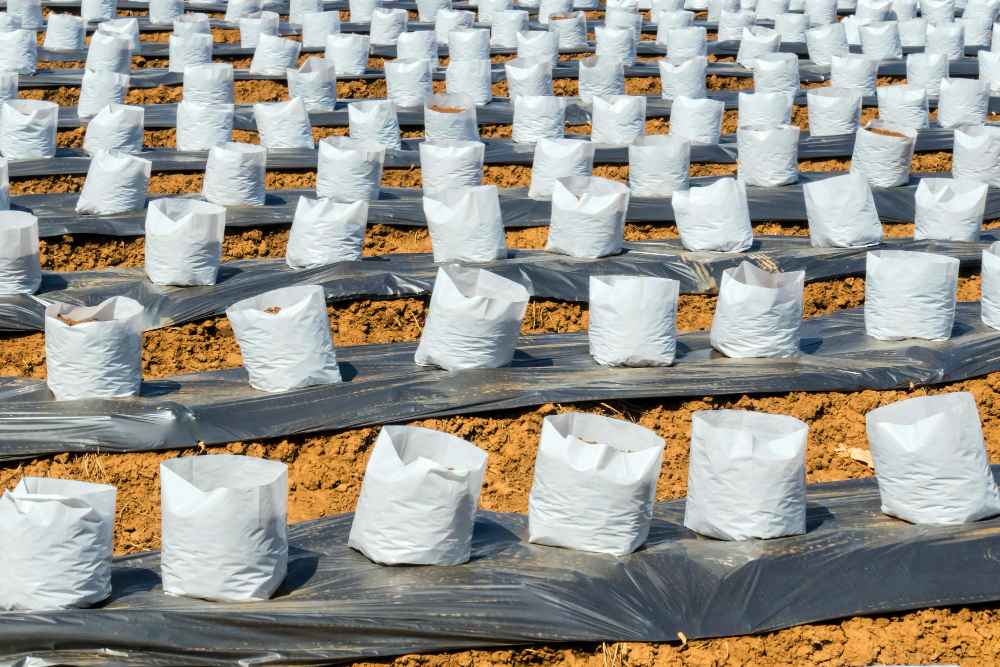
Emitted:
pixel 163 12
pixel 926 70
pixel 768 155
pixel 28 129
pixel 775 73
pixel 930 460
pixel 732 24
pixel 115 127
pixel 284 337
pixel 427 10
pixel 976 154
pixel 697 120
pixel 913 32
pixel 448 19
pixel 419 498
pixel 671 20
pixel 989 70
pixel 210 83
pixel 237 9
pixel 20 272
pixel 792 27
pixel 600 77
pixel 938 11
pixel 325 231
pixel 189 50
pixel 408 82
pixel 185 24
pixel 417 45
pixel 360 11
pixel 274 55
pixel 904 10
pixel 903 106
pixel 349 169
pixel 94 352
pixel 880 40
pixel 539 44
pixel 184 241
pixel 821 12
pixel 116 183
pixel 746 476
pixel 315 84
pixel 883 159
pixel 684 43
pixel 946 38
pixel 547 8
pixel 949 209
pixel 224 527
pixel 506 25
pixel 58 536
pixel 27 12
pixel 615 43
pixel 387 23
pixel 234 175
pixel 594 484
pixel 910 295
pixel 374 121
pixel 854 72
pixel 94 11
pixel 297 10
pixel 445 164
pixel 465 224
pixel 764 109
pixel 977 29
pixel 962 102
pixel 18 51
pixel 684 79
pixel 252 27
pixel 469 44
pixel 833 111
pixel 852 31
pixel 588 217
pixel 202 126
pixel 825 42
pixel 106 52
pixel 488 9
pixel 756 42
pixel 618 120
pixel 348 52
pixel 558 158
pixel 283 124
pixel 126 28
pixel 470 77
pixel 64 32
pixel 658 165
pixel 529 77
pixel 841 212
pixel 317 26
pixel 8 86
pixel 624 17
pixel 572 30
pixel 714 217
pixel 450 117
pixel 771 9
pixel 990 274
pixel 633 320
pixel 758 313
pixel 473 320
pixel 4 185
pixel 538 117
pixel 98 89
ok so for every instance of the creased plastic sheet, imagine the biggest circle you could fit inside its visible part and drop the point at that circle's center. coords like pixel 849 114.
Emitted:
pixel 383 385
pixel 335 605
pixel 546 275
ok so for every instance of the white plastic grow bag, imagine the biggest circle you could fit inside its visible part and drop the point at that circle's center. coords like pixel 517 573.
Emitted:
pixel 618 119
pixel 408 82
pixel 224 527
pixel 237 9
pixel 252 27
pixel 8 86
pixel 470 77
pixel 450 117
pixel 488 9
pixel 374 121
pixel 962 102
pixel 910 295
pixel 349 169
pixel 234 175
pixel 768 154
pixel 445 164
pixel 792 27
pixel 716 7
pixel 274 55
pixel 202 126
pixel 183 241
pixel 821 12
pixel 594 484
pixel 657 7
pixel 317 26
pixel 94 11
pixel 188 50
pixel 4 185
pixel 473 320
pixel 360 11
pixel 106 52
pixel 976 154
pixel 697 120
pixel 547 8
pixel 325 231
pixel 913 32
pixel 756 42
pixel 903 106
pixel 28 129
pixel 126 28
pixel 468 44
pixel 185 24
pixel 348 52
pixel 733 23
pixel 538 117
pixel 64 32
pixel 600 77
pixel 210 83
pixel 20 272
pixel 776 73
pixel 558 158
pixel 417 45
pixel 883 159
pixel 315 83
pixel 387 23
pixel 94 352
pixel 448 19
pixel 539 44
pixel 930 460
pixel 904 10
pixel 758 313
pixel 588 217
pixel 841 212
pixel 684 79
pixel 684 43
pixel 18 51
pixel 116 183
pixel 571 29
pixel 926 70
pixel 764 109
pixel 628 18
pixel 938 11
pixel 163 12
pixel 419 498
pixel 427 10
pixel 880 40
pixel 615 43
pixel 506 25
pixel 833 111
pixel 989 70
pixel 990 275
pixel 633 320
pixel 283 124
pixel 658 165
pixel 852 29
pixel 58 537
pixel 671 20
pixel 746 476
pixel 27 12
pixel 771 9
pixel 98 89
pixel 946 38
pixel 284 337
pixel 297 10
pixel 465 224
pixel 530 77
pixel 854 72
pixel 825 42
pixel 714 217
pixel 977 29
pixel 949 209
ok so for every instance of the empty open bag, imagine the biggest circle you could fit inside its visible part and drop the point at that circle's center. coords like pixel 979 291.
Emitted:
pixel 758 313
pixel 633 320
pixel 183 241
pixel 910 295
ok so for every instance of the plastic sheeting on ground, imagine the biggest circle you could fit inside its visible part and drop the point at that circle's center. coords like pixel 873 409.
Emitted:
pixel 335 605
pixel 547 276
pixel 383 385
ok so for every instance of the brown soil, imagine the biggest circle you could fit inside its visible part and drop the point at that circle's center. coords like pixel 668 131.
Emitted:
pixel 887 132
pixel 443 109
pixel 273 310
pixel 69 321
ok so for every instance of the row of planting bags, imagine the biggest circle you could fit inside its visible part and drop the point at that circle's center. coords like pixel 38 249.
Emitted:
pixel 224 517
